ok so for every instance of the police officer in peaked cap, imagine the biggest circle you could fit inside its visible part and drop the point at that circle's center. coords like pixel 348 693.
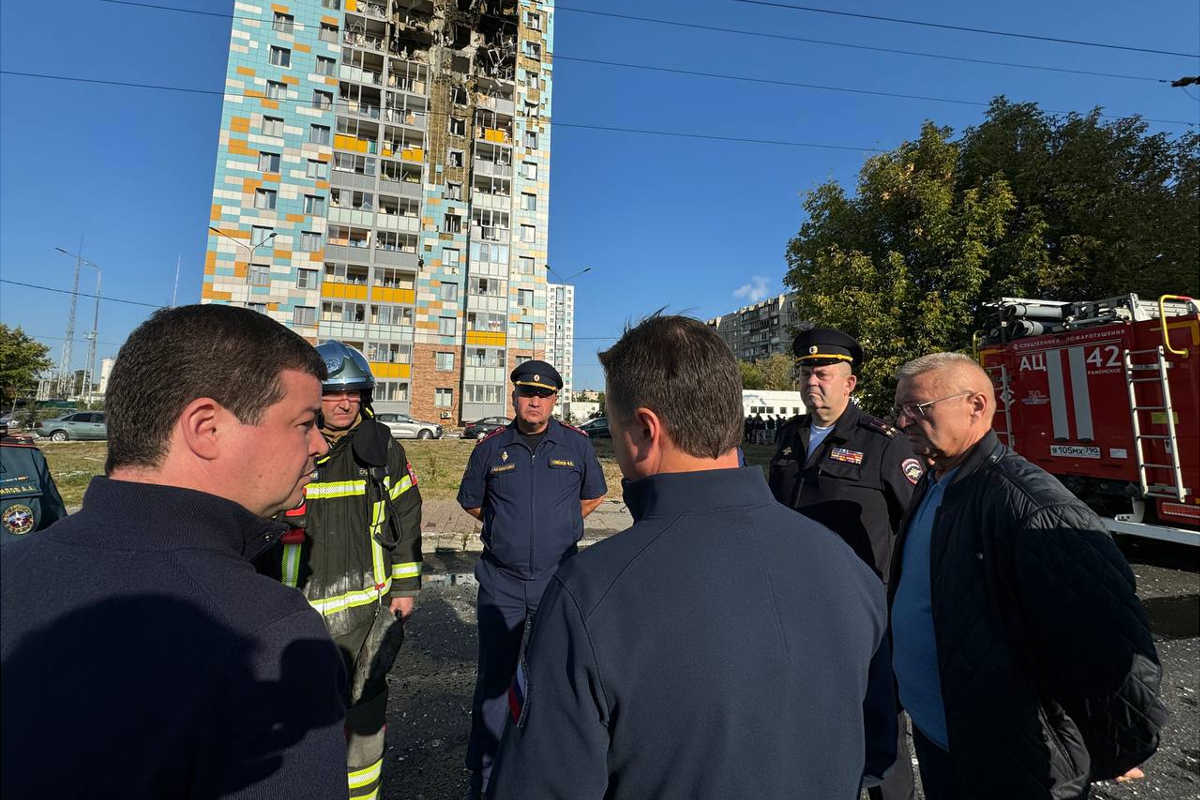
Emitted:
pixel 847 470
pixel 531 484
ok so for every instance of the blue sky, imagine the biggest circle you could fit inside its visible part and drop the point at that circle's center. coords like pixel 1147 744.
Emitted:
pixel 696 225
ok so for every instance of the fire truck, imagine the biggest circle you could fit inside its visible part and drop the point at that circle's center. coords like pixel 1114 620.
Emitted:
pixel 1105 396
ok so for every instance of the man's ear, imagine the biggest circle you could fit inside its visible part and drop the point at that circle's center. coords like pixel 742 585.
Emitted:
pixel 646 427
pixel 201 426
pixel 851 382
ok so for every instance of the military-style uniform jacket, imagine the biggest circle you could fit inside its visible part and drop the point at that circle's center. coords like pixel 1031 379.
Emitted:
pixel 357 536
pixel 29 500
pixel 531 512
pixel 858 481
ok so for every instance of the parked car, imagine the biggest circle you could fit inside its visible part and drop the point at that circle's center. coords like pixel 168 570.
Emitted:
pixel 597 428
pixel 403 426
pixel 482 427
pixel 79 425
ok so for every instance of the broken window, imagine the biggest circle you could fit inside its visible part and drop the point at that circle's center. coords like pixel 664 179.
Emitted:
pixel 453 191
pixel 456 158
pixel 452 223
pixel 458 127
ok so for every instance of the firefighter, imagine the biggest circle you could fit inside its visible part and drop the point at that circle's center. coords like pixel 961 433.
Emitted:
pixel 354 550
pixel 847 470
pixel 29 500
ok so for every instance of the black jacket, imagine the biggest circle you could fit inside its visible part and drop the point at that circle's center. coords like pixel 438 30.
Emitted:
pixel 356 540
pixel 144 658
pixel 1049 675
pixel 722 647
pixel 857 483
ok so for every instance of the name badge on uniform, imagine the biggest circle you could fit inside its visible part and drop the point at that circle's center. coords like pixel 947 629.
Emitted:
pixel 27 488
pixel 846 456
pixel 503 468
pixel 562 463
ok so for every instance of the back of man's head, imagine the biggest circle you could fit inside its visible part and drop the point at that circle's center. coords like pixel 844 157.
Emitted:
pixel 232 355
pixel 680 369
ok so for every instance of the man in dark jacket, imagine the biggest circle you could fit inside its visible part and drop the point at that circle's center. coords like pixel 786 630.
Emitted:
pixel 1021 651
pixel 722 647
pixel 143 657
pixel 354 550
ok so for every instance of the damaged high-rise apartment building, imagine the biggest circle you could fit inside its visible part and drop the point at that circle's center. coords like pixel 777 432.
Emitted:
pixel 383 178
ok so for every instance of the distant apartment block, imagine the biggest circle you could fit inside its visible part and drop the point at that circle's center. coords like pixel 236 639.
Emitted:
pixel 560 335
pixel 760 330
pixel 383 179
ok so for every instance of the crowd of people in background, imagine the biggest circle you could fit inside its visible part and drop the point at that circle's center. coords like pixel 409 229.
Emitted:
pixel 758 429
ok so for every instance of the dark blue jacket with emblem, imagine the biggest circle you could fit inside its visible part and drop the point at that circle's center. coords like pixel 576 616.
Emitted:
pixel 722 647
pixel 858 481
pixel 532 517
pixel 29 500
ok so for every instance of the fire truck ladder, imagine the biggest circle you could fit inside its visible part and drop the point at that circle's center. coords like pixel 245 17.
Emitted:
pixel 1159 366
pixel 1003 392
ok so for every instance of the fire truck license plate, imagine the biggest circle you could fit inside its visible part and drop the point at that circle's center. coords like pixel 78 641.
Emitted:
pixel 1074 451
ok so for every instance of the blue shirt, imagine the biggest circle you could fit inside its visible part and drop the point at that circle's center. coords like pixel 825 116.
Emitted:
pixel 531 499
pixel 914 647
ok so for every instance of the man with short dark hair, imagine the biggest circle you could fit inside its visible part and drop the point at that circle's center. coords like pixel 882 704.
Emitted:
pixel 724 646
pixel 143 657
pixel 531 484
pixel 1021 651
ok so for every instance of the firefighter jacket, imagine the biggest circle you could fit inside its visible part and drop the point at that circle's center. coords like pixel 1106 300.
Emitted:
pixel 1048 670
pixel 857 482
pixel 356 539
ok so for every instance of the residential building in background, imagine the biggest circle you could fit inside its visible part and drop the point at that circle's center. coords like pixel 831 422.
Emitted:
pixel 560 336
pixel 760 330
pixel 383 179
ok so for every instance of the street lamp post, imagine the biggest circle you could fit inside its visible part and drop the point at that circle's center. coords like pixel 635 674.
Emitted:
pixel 252 249
pixel 89 371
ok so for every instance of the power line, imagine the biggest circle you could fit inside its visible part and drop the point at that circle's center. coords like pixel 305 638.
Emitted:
pixel 802 40
pixel 308 103
pixel 606 128
pixel 81 294
pixel 963 28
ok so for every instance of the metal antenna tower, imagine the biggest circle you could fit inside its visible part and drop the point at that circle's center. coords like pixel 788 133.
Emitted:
pixel 65 378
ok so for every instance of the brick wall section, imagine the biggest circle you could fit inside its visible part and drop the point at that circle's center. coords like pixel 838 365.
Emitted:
pixel 427 378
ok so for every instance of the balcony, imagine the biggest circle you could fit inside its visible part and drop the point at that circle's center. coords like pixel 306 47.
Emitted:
pixel 405 116
pixel 357 75
pixel 358 108
pixel 364 41
pixel 493 135
pixel 496 202
pixel 492 169
pixel 490 233
pixel 396 258
pixel 396 222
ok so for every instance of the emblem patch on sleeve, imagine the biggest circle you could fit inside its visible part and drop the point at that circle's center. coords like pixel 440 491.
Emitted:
pixel 18 519
pixel 912 470
pixel 518 696
pixel 848 456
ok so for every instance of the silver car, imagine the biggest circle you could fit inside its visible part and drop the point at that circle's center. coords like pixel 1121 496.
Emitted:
pixel 80 425
pixel 403 426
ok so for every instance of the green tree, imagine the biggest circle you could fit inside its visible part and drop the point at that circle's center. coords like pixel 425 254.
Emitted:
pixel 21 359
pixel 752 375
pixel 777 372
pixel 1025 204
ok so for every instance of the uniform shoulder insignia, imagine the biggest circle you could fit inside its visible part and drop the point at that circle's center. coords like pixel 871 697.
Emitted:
pixel 496 432
pixel 570 427
pixel 877 425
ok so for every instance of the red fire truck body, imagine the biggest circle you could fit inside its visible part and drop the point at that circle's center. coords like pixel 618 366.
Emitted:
pixel 1105 395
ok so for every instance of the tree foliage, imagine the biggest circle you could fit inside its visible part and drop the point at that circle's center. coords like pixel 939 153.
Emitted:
pixel 21 359
pixel 1026 204
pixel 771 374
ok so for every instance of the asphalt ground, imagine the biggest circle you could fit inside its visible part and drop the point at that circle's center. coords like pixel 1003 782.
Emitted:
pixel 433 679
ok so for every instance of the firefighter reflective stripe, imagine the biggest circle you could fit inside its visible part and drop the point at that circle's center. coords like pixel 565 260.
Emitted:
pixel 1081 395
pixel 291 564
pixel 319 491
pixel 400 488
pixel 377 563
pixel 1058 395
pixel 363 777
pixel 328 606
pixel 403 571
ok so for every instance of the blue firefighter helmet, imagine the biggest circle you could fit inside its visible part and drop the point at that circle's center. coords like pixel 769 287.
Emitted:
pixel 348 368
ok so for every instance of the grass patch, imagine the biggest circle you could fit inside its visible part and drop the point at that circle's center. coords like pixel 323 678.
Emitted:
pixel 439 464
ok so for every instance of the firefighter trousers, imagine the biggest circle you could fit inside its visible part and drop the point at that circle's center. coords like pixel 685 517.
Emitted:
pixel 369 653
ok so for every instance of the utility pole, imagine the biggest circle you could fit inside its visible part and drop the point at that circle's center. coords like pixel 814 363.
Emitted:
pixel 89 369
pixel 65 377
pixel 176 290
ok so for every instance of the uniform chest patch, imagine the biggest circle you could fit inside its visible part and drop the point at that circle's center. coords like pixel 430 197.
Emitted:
pixel 845 456
pixel 562 463
pixel 18 519
pixel 25 488
pixel 787 452
pixel 503 468
pixel 912 470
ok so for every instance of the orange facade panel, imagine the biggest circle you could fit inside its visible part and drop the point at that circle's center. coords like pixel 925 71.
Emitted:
pixel 302 48
pixel 486 339
pixel 383 369
pixel 247 71
pixel 344 291
pixel 386 295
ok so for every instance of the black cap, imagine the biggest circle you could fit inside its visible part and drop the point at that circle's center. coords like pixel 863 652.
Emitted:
pixel 536 375
pixel 818 346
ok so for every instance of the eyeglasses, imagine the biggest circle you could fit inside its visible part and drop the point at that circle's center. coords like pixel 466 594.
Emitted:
pixel 917 410
pixel 527 392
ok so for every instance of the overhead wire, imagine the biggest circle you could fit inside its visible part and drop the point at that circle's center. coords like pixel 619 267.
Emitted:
pixel 960 28
pixel 80 294
pixel 712 28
